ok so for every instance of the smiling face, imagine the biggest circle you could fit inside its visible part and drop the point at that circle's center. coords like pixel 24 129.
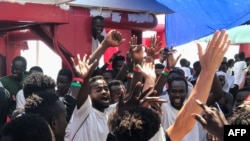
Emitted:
pixel 100 96
pixel 97 27
pixel 17 69
pixel 177 93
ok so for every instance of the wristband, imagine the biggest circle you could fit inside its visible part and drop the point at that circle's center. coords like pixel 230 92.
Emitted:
pixel 130 75
pixel 78 79
pixel 75 84
pixel 165 72
pixel 136 69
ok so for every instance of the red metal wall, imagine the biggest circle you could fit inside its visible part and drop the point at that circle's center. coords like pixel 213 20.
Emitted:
pixel 245 48
pixel 74 34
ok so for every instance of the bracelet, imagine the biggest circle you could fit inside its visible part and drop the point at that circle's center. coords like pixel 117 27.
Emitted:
pixel 130 75
pixel 75 84
pixel 136 69
pixel 165 72
pixel 78 79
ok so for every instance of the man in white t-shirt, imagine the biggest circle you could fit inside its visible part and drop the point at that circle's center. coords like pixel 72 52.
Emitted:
pixel 178 92
pixel 239 67
pixel 89 122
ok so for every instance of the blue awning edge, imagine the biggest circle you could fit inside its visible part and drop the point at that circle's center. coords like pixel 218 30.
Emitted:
pixel 195 19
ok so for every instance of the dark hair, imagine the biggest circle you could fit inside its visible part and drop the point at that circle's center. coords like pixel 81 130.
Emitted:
pixel 242 56
pixel 114 83
pixel 65 72
pixel 188 63
pixel 247 59
pixel 20 58
pixel 176 71
pixel 36 82
pixel 98 17
pixel 109 71
pixel 117 58
pixel 28 127
pixel 35 68
pixel 183 62
pixel 197 68
pixel 230 62
pixel 159 66
pixel 94 79
pixel 135 124
pixel 224 63
pixel 43 104
pixel 164 49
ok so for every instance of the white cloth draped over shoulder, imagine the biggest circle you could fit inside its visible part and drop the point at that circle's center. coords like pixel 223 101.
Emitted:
pixel 95 44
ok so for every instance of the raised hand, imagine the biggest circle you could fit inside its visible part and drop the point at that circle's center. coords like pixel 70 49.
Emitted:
pixel 147 70
pixel 152 49
pixel 81 67
pixel 153 103
pixel 172 59
pixel 214 53
pixel 154 42
pixel 212 120
pixel 137 98
pixel 135 50
pixel 113 38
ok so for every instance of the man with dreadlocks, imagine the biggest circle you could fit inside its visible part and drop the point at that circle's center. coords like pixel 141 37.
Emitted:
pixel 51 108
pixel 37 82
pixel 33 83
pixel 20 99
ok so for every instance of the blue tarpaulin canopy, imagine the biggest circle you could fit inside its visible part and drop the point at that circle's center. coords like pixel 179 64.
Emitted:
pixel 194 19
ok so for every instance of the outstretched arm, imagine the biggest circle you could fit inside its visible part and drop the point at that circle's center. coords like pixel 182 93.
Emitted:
pixel 113 39
pixel 210 60
pixel 136 52
pixel 162 79
pixel 82 69
pixel 86 67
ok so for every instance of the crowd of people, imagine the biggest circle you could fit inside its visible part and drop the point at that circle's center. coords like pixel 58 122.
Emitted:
pixel 142 98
